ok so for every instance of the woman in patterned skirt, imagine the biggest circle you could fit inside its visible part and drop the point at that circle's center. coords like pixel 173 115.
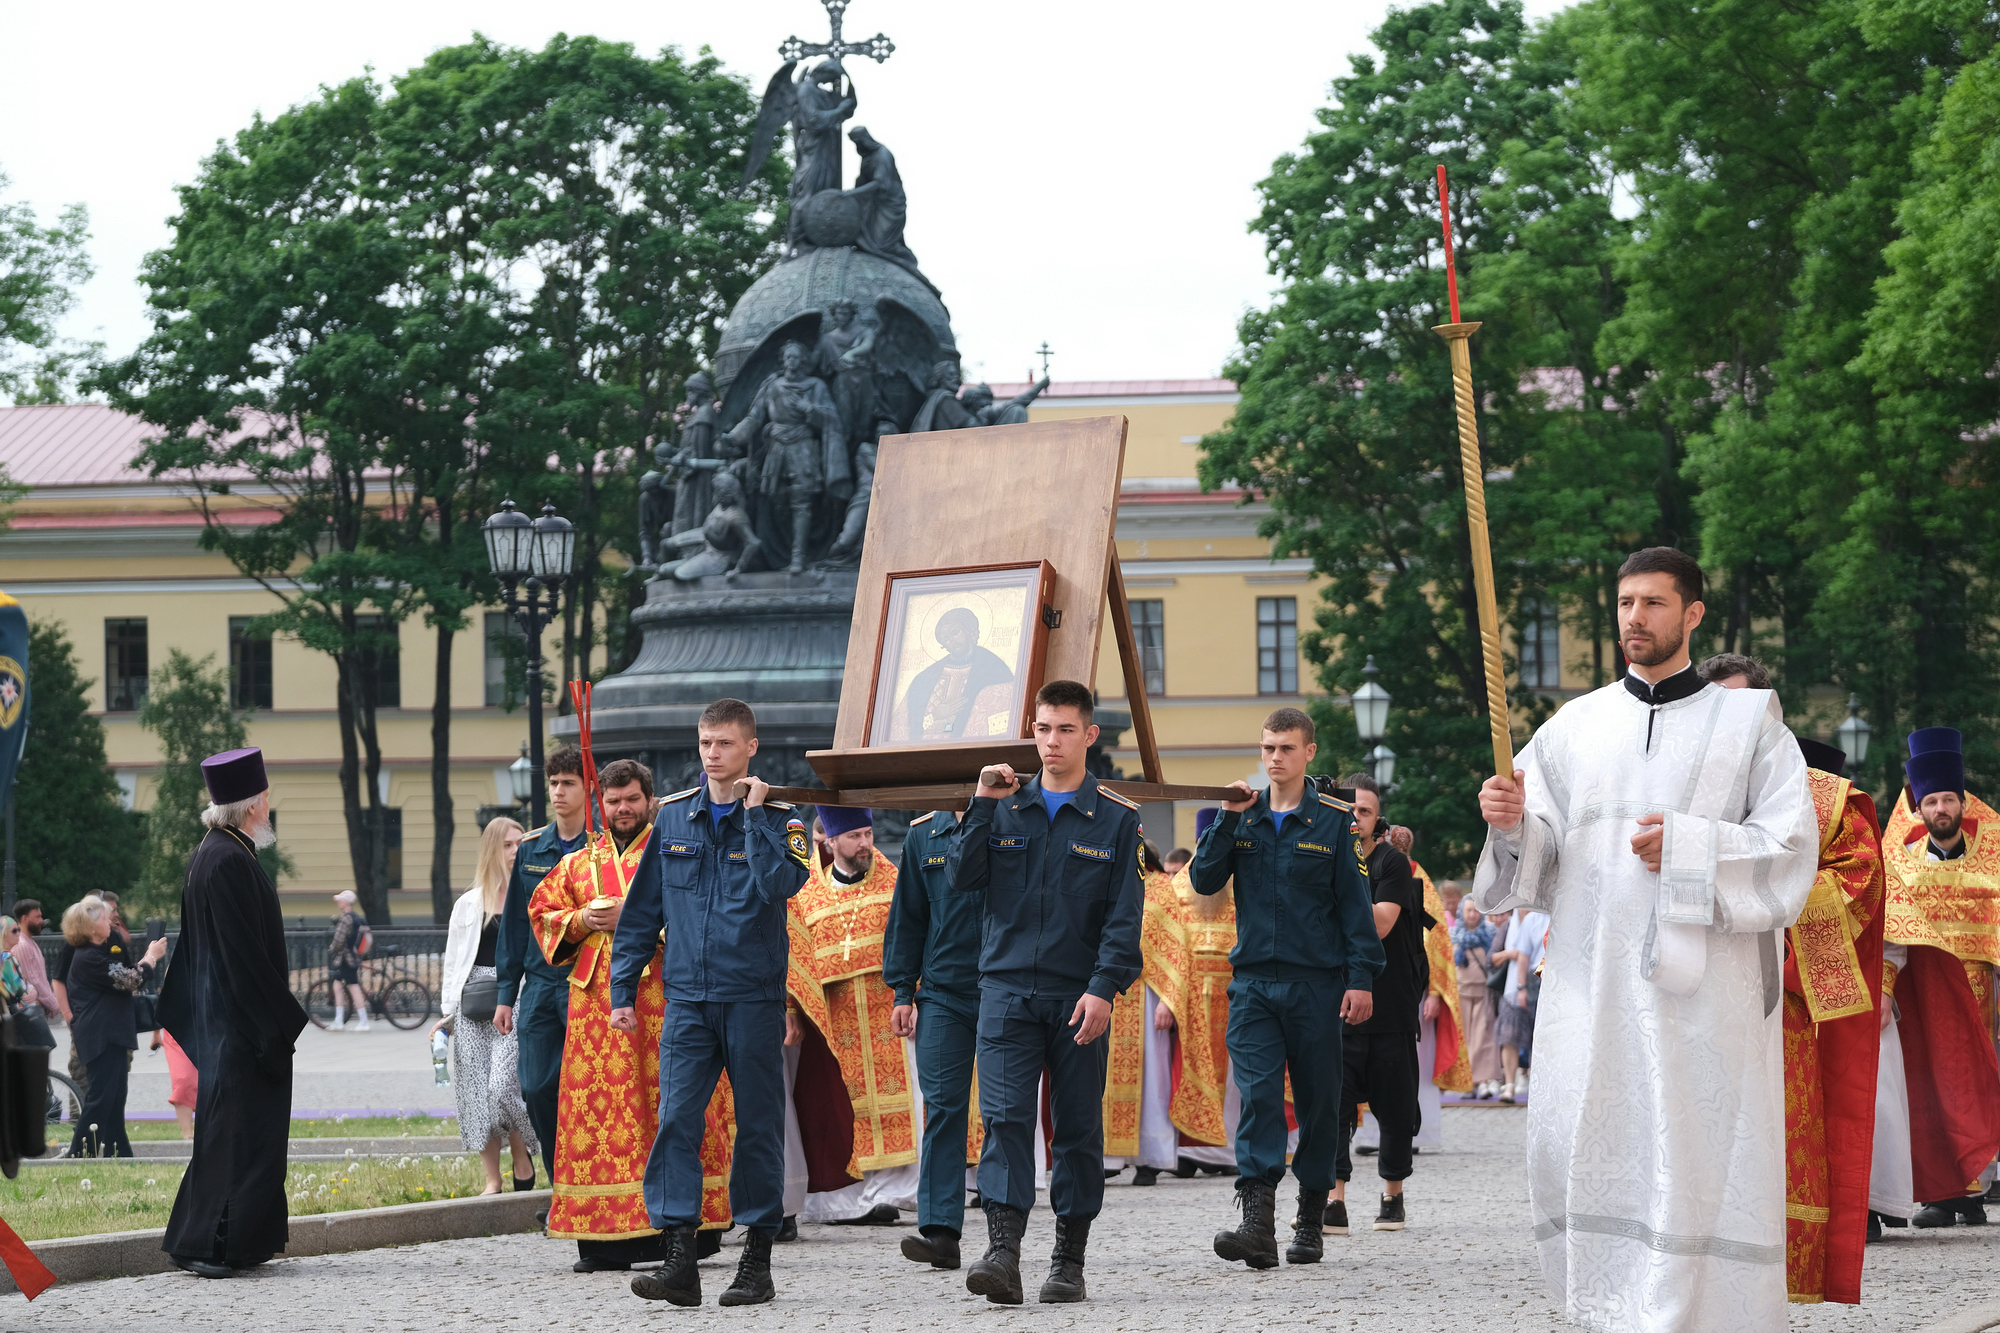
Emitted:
pixel 485 1070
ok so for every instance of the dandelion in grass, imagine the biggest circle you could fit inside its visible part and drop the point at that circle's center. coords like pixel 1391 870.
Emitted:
pixel 85 1185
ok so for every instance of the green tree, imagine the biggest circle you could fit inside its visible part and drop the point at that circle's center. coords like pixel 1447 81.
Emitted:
pixel 1346 422
pixel 73 834
pixel 187 707
pixel 40 270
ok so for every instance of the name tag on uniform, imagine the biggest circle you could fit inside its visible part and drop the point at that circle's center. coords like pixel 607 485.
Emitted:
pixel 1246 844
pixel 680 849
pixel 1316 848
pixel 1088 852
pixel 739 856
pixel 1013 843
pixel 930 861
pixel 534 869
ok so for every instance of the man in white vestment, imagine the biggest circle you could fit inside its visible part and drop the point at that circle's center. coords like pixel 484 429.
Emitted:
pixel 1666 826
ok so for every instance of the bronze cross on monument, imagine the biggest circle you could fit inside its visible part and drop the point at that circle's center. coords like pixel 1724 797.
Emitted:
pixel 877 47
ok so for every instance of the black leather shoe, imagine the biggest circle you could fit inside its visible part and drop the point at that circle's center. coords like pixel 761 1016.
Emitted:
pixel 677 1281
pixel 1254 1240
pixel 707 1244
pixel 1336 1218
pixel 203 1268
pixel 1064 1283
pixel 1874 1227
pixel 1146 1175
pixel 753 1284
pixel 1307 1247
pixel 996 1275
pixel 1185 1168
pixel 1935 1215
pixel 937 1247
pixel 788 1231
pixel 1391 1216
pixel 523 1183
pixel 600 1266
pixel 1225 1169
pixel 881 1215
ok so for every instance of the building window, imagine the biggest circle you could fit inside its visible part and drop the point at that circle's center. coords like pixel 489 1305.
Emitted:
pixel 1277 645
pixel 124 665
pixel 249 665
pixel 1149 628
pixel 506 661
pixel 383 663
pixel 1541 644
pixel 392 844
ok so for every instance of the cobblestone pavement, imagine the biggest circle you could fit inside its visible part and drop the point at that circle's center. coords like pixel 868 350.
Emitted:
pixel 1465 1262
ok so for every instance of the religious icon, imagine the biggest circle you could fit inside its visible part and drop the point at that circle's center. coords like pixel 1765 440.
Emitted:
pixel 961 653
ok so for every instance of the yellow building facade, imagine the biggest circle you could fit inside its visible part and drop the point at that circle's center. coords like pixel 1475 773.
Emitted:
pixel 116 559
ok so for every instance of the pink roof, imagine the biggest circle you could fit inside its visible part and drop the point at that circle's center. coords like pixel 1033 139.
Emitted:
pixel 71 444
pixel 1119 388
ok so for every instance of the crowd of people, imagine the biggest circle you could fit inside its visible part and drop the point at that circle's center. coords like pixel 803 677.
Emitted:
pixel 1760 1022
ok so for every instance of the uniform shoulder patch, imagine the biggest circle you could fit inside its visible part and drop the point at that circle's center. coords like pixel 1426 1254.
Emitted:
pixel 1125 801
pixel 534 833
pixel 679 796
pixel 923 819
pixel 795 843
pixel 1335 802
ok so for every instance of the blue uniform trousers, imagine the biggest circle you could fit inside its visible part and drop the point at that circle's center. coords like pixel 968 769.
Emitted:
pixel 1273 1025
pixel 1020 1035
pixel 700 1040
pixel 541 1020
pixel 947 1031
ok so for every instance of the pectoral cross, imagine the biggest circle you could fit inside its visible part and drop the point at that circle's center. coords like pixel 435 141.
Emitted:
pixel 847 945
pixel 876 48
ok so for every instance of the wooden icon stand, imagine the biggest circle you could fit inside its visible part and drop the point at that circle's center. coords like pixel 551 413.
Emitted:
pixel 996 495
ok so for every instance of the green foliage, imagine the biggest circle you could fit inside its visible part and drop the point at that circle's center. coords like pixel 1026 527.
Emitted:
pixel 40 270
pixel 73 837
pixel 187 707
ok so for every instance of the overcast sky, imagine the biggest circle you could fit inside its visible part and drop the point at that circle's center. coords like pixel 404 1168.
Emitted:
pixel 1080 171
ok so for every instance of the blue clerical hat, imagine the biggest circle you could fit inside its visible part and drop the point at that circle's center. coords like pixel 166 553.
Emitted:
pixel 839 819
pixel 1936 763
pixel 234 775
pixel 1202 819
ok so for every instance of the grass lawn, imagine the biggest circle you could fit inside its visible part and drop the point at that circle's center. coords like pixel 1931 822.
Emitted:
pixel 344 1127
pixel 91 1197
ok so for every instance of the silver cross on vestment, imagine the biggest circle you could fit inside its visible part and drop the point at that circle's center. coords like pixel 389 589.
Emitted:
pixel 877 48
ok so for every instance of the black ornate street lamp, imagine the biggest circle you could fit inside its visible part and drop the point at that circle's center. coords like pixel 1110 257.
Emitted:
pixel 1852 735
pixel 1371 720
pixel 531 557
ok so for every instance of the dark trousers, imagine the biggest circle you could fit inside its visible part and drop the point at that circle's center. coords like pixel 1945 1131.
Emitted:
pixel 1019 1036
pixel 103 1107
pixel 701 1039
pixel 541 1020
pixel 1382 1070
pixel 947 1033
pixel 1275 1025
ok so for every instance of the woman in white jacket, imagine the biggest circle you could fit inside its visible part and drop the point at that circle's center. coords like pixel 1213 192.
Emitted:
pixel 486 1073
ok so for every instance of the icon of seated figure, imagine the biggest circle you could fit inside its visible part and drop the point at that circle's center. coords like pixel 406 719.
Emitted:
pixel 966 694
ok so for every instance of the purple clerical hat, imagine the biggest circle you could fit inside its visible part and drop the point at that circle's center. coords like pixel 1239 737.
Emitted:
pixel 839 819
pixel 234 775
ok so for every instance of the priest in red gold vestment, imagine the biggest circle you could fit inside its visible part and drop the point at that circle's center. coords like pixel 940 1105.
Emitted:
pixel 608 1108
pixel 1936 1140
pixel 844 908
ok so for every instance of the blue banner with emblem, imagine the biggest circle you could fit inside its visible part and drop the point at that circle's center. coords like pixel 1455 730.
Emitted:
pixel 13 692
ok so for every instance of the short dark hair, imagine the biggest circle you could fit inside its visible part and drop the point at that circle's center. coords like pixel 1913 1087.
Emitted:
pixel 1362 782
pixel 1291 719
pixel 563 759
pixel 728 713
pixel 24 906
pixel 1067 694
pixel 625 772
pixel 1724 665
pixel 1179 856
pixel 1679 565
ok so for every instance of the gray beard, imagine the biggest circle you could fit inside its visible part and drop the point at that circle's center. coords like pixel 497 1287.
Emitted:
pixel 262 836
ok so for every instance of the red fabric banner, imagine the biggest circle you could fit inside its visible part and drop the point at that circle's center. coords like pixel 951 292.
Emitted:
pixel 30 1274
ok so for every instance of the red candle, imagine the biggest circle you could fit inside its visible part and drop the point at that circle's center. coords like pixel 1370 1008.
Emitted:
pixel 1450 272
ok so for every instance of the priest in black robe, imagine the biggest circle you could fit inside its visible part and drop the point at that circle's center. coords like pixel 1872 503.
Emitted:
pixel 228 1001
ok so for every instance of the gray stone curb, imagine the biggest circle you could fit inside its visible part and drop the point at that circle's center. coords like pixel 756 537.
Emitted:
pixel 1975 1320
pixel 134 1253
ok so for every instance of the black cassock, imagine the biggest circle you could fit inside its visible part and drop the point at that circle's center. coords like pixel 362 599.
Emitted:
pixel 228 1002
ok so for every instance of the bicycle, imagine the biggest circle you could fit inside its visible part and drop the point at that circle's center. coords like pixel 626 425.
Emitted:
pixel 64 1105
pixel 404 1001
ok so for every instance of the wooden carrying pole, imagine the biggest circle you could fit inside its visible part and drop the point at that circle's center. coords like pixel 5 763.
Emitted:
pixel 1459 337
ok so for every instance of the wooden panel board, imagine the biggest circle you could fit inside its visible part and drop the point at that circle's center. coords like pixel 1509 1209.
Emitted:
pixel 958 795
pixel 919 765
pixel 1044 491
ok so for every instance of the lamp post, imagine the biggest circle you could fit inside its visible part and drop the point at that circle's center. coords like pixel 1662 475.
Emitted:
pixel 1852 735
pixel 1371 720
pixel 530 558
pixel 521 774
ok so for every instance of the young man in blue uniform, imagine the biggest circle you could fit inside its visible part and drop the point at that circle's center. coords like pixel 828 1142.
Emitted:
pixel 715 879
pixel 534 993
pixel 1306 957
pixel 933 942
pixel 1056 862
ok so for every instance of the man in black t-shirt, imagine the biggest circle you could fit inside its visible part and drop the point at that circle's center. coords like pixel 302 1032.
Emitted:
pixel 1381 1052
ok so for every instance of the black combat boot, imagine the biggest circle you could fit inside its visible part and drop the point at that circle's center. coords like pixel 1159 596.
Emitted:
pixel 753 1273
pixel 996 1275
pixel 1255 1239
pixel 1306 1246
pixel 677 1281
pixel 1065 1280
pixel 937 1247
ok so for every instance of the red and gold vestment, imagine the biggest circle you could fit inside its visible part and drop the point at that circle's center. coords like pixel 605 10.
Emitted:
pixel 1160 935
pixel 1452 1071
